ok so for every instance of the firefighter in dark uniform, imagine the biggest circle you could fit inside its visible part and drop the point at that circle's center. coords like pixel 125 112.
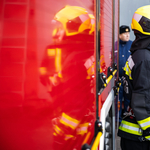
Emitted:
pixel 124 53
pixel 134 129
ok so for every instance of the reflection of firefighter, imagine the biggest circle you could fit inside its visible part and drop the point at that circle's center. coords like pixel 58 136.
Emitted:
pixel 71 123
pixel 75 20
pixel 70 21
pixel 65 59
pixel 51 68
pixel 103 67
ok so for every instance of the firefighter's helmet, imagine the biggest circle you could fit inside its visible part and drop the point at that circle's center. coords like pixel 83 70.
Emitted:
pixel 141 20
pixel 75 20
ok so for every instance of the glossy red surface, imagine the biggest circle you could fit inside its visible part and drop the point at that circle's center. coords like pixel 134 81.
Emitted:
pixel 108 39
pixel 106 35
pixel 47 80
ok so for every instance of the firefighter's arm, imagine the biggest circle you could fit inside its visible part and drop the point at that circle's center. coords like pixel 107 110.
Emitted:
pixel 127 81
pixel 140 101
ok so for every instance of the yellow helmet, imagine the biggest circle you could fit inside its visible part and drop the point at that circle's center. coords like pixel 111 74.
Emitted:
pixel 141 20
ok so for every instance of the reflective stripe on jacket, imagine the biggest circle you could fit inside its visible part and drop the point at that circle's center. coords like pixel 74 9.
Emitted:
pixel 136 80
pixel 131 128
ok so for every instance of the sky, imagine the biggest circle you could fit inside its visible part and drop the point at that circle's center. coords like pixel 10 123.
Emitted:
pixel 127 9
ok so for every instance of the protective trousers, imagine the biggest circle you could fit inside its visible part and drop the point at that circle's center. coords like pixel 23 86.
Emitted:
pixel 134 145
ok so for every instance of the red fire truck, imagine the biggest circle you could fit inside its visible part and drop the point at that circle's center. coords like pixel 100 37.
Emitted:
pixel 58 74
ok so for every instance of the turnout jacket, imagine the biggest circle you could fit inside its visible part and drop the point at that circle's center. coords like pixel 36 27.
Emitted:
pixel 136 79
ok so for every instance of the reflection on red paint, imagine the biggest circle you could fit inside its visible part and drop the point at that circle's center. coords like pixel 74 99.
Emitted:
pixel 67 68
pixel 47 78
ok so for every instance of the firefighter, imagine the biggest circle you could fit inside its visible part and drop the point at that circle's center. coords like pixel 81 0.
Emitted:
pixel 134 129
pixel 124 52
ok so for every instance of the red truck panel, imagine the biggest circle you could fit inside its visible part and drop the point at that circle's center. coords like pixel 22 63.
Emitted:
pixel 47 98
pixel 109 22
pixel 47 71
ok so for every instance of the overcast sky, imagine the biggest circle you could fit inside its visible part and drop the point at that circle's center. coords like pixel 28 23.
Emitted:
pixel 127 9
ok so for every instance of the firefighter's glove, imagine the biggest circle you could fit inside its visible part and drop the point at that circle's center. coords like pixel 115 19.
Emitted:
pixel 146 134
